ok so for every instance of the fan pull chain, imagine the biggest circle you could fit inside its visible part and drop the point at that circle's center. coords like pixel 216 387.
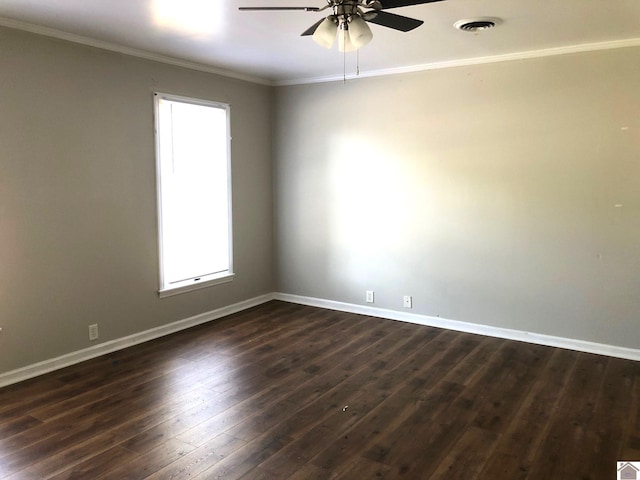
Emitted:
pixel 344 68
pixel 358 62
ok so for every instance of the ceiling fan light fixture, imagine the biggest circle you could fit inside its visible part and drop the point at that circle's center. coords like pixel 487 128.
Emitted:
pixel 325 34
pixel 359 32
pixel 344 39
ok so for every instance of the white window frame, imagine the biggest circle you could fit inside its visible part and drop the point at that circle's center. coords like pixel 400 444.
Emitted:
pixel 204 280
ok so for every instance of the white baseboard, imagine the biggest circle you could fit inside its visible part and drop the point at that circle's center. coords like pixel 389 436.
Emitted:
pixel 537 338
pixel 50 365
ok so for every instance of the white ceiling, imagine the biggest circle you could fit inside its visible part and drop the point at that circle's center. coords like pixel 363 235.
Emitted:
pixel 267 46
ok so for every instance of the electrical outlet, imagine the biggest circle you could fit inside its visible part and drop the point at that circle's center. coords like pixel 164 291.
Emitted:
pixel 93 332
pixel 369 296
pixel 407 301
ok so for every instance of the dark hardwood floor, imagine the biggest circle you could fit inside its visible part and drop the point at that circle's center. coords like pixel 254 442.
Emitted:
pixel 284 391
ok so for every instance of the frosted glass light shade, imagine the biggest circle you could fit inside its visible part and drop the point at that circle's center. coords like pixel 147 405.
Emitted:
pixel 325 34
pixel 359 32
pixel 344 40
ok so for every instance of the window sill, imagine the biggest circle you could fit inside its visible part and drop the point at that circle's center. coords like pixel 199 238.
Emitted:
pixel 169 292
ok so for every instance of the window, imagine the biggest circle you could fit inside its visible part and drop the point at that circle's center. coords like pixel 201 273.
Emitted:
pixel 194 193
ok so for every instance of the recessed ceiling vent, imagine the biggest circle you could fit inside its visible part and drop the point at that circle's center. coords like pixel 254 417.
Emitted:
pixel 474 25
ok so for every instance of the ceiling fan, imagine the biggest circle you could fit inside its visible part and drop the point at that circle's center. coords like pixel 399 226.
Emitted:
pixel 349 19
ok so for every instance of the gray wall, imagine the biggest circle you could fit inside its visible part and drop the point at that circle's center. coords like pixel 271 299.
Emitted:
pixel 78 236
pixel 488 193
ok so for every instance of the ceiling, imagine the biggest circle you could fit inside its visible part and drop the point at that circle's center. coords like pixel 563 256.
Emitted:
pixel 266 46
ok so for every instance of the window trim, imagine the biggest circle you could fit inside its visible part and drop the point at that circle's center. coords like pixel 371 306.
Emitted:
pixel 209 280
pixel 169 292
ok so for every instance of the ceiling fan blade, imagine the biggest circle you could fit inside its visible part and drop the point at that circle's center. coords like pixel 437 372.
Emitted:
pixel 312 29
pixel 305 9
pixel 403 3
pixel 391 20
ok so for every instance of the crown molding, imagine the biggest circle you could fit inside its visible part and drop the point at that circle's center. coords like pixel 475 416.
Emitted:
pixel 547 52
pixel 134 52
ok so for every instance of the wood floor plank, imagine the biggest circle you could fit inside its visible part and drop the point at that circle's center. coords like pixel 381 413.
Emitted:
pixel 84 443
pixel 89 394
pixel 600 449
pixel 362 468
pixel 519 444
pixel 631 437
pixel 27 394
pixel 420 370
pixel 98 464
pixel 310 472
pixel 199 459
pixel 283 391
pixel 16 424
pixel 149 463
pixel 340 407
pixel 467 458
pixel 433 440
pixel 446 397
pixel 245 458
pixel 614 397
pixel 391 445
pixel 510 387
pixel 463 371
pixel 583 391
